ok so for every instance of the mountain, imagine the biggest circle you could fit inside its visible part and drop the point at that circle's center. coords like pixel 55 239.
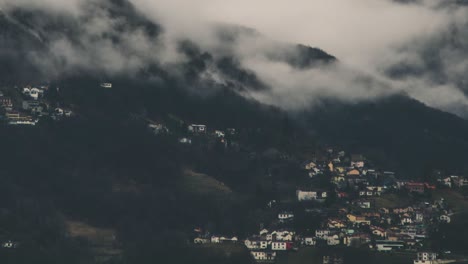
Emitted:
pixel 398 132
pixel 101 188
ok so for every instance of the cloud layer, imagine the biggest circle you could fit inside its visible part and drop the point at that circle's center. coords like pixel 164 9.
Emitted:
pixel 384 47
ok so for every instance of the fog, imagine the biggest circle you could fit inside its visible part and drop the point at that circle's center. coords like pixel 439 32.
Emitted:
pixel 384 47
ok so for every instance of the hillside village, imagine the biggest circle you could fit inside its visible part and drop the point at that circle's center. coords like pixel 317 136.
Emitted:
pixel 351 212
pixel 28 105
pixel 340 200
pixel 355 219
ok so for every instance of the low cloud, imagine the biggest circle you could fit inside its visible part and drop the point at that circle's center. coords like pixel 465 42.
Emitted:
pixel 384 47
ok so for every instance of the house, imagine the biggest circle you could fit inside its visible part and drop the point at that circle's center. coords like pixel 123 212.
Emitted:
pixel 364 204
pixel 34 93
pixel 283 235
pixel 419 217
pixel 309 241
pixel 285 216
pixel 376 189
pixel 333 240
pixel 364 193
pixel 215 239
pixel 322 233
pixel 185 141
pixel 446 182
pixel 426 258
pixel 378 231
pixel 231 131
pixel 59 111
pixel 306 195
pixel 6 103
pixel 200 240
pixel 263 232
pixel 343 195
pixel 355 219
pixel 340 170
pixel 335 223
pixel 219 133
pixel 228 240
pixel 408 209
pixel 30 104
pixel 281 245
pixel 23 120
pixel 372 214
pixel 444 219
pixel 357 240
pixel 415 187
pixel 406 220
pixel 12 115
pixel 26 91
pixel 9 244
pixel 197 128
pixel 357 161
pixel 309 165
pixel 461 182
pixel 353 172
pixel 255 243
pixel 337 179
pixel 106 85
pixel 384 210
pixel 263 255
pixel 388 245
pixel 158 129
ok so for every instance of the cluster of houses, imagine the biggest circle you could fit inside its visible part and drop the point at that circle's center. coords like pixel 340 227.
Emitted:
pixel 193 130
pixel 357 221
pixel 32 105
pixel 454 181
pixel 8 244
pixel 12 116
pixel 383 229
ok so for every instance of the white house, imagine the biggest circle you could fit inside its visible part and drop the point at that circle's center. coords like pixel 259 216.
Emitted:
pixel 158 128
pixel 197 128
pixel 445 219
pixel 280 245
pixel 9 244
pixel 406 220
pixel 333 240
pixel 263 231
pixel 261 255
pixel 322 233
pixel 364 204
pixel 256 244
pixel 283 235
pixel 309 241
pixel 200 240
pixel 219 133
pixel 285 216
pixel 426 258
pixel 106 85
pixel 59 111
pixel 310 195
pixel 185 141
pixel 34 93
pixel 215 239
pixel 26 91
pixel 447 181
pixel 419 217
